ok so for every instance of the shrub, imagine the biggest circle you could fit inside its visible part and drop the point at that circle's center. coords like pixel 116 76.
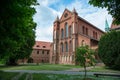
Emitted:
pixel 109 49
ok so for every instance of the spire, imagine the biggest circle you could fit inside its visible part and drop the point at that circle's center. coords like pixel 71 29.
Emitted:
pixel 74 10
pixel 106 26
pixel 57 19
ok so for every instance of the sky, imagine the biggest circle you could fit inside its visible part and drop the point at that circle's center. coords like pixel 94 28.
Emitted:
pixel 48 10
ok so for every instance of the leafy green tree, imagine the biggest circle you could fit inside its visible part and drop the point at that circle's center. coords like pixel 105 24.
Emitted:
pixel 113 7
pixel 17 29
pixel 83 54
pixel 109 49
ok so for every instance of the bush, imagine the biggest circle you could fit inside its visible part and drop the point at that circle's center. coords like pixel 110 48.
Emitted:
pixel 109 49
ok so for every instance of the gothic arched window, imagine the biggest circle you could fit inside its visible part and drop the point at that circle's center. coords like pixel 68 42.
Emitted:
pixel 66 45
pixel 66 29
pixel 62 33
pixel 62 47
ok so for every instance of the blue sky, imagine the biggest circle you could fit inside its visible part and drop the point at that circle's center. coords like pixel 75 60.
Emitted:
pixel 49 9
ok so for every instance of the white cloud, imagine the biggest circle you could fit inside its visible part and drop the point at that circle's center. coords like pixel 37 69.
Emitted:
pixel 47 2
pixel 44 18
pixel 98 18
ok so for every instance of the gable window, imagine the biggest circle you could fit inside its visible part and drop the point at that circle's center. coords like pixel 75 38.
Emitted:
pixel 65 15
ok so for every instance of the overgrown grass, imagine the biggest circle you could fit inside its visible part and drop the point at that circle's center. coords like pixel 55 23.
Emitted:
pixel 39 67
pixel 39 76
pixel 7 75
pixel 103 69
pixel 23 77
pixel 69 77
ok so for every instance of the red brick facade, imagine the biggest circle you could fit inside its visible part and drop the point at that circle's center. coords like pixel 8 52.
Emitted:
pixel 41 52
pixel 69 32
pixel 115 27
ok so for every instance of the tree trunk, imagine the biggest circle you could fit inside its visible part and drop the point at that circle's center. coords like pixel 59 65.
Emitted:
pixel 85 70
pixel 11 62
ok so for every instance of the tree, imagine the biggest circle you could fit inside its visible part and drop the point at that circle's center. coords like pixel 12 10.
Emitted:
pixel 113 7
pixel 17 29
pixel 109 49
pixel 83 54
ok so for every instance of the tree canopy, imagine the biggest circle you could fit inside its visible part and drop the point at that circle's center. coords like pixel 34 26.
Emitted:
pixel 84 55
pixel 109 49
pixel 17 28
pixel 113 7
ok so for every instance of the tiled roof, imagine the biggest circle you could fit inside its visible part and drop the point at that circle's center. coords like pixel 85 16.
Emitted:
pixel 42 45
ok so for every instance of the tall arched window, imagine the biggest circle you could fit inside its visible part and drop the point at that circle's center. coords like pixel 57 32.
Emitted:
pixel 83 29
pixel 70 46
pixel 66 29
pixel 66 45
pixel 62 47
pixel 62 33
pixel 70 31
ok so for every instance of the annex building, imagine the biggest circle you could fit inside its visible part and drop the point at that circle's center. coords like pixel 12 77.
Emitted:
pixel 114 26
pixel 69 32
pixel 40 54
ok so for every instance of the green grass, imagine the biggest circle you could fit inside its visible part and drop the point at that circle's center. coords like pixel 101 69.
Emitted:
pixel 39 76
pixel 69 77
pixel 23 77
pixel 103 69
pixel 7 75
pixel 39 67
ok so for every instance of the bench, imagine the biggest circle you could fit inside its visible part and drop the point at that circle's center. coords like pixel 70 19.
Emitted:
pixel 105 74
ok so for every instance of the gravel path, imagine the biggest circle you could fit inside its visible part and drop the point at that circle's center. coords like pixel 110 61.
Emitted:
pixel 51 72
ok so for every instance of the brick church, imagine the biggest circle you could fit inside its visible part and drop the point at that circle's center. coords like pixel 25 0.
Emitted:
pixel 69 32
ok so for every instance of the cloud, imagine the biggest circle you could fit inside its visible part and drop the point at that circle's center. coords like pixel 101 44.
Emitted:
pixel 44 33
pixel 98 18
pixel 47 2
pixel 44 18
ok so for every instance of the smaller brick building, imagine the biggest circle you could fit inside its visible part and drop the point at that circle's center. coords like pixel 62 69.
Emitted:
pixel 114 26
pixel 41 52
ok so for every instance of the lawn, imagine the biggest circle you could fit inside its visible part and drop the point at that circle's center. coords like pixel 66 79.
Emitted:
pixel 7 75
pixel 53 67
pixel 38 76
pixel 39 67
pixel 103 69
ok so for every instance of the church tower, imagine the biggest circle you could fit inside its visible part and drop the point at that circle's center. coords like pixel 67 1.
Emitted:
pixel 56 40
pixel 74 31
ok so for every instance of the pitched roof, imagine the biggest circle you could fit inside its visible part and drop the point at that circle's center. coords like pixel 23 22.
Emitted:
pixel 42 45
pixel 81 19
